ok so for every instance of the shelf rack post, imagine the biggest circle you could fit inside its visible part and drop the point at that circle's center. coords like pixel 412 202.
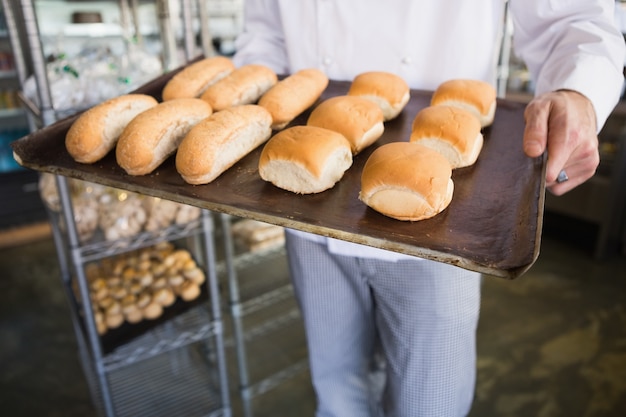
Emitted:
pixel 92 333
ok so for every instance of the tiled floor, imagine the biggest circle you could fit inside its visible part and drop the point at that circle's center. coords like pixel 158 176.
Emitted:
pixel 551 343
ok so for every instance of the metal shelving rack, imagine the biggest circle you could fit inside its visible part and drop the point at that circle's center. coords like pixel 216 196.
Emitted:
pixel 157 372
pixel 250 389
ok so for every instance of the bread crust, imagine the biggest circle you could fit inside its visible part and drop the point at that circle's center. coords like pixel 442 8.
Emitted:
pixel 387 90
pixel 406 181
pixel 293 95
pixel 96 131
pixel 359 120
pixel 245 85
pixel 476 96
pixel 305 159
pixel 219 141
pixel 453 131
pixel 195 78
pixel 154 135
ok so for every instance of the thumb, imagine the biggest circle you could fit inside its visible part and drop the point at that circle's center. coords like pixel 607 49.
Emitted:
pixel 536 129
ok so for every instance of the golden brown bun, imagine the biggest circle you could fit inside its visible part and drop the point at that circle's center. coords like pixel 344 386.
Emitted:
pixel 359 120
pixel 165 296
pixel 114 320
pixel 389 91
pixel 194 79
pixel 189 290
pixel 452 131
pixel 152 311
pixel 218 142
pixel 97 130
pixel 150 138
pixel 293 95
pixel 478 97
pixel 245 85
pixel 305 159
pixel 406 181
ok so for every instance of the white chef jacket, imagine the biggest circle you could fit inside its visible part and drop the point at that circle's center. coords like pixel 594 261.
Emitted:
pixel 566 44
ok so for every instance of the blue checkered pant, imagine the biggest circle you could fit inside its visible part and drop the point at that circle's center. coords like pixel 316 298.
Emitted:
pixel 420 315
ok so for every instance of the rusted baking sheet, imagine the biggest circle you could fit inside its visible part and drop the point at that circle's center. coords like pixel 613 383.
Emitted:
pixel 493 224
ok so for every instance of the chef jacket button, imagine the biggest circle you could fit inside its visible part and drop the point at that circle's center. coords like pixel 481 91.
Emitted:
pixel 327 61
pixel 407 60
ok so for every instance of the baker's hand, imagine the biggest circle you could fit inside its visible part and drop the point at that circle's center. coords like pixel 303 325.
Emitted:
pixel 563 123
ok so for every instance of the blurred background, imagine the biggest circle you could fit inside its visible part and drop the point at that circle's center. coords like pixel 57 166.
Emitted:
pixel 551 343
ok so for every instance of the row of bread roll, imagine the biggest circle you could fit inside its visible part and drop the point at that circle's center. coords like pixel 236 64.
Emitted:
pixel 139 285
pixel 313 158
pixel 239 127
pixel 413 180
pixel 217 81
pixel 144 143
pixel 212 91
pixel 145 132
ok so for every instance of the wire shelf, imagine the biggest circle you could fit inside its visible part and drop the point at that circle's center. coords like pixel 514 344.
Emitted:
pixel 180 382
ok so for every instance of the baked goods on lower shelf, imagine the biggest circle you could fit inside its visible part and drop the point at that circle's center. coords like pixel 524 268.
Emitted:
pixel 256 236
pixel 139 285
pixel 111 214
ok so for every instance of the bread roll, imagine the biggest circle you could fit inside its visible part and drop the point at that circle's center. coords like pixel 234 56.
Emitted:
pixel 475 96
pixel 194 79
pixel 114 321
pixel 245 85
pixel 189 291
pixel 359 120
pixel 388 90
pixel 164 296
pixel 150 138
pixel 218 142
pixel 452 131
pixel 152 311
pixel 406 181
pixel 305 159
pixel 96 131
pixel 293 95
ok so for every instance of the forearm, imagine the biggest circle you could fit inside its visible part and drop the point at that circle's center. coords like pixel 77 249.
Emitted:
pixel 572 47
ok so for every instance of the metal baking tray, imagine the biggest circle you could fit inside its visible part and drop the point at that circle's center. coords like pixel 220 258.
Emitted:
pixel 493 224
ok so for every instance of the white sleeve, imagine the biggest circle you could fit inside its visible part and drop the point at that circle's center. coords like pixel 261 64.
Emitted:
pixel 262 39
pixel 572 44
